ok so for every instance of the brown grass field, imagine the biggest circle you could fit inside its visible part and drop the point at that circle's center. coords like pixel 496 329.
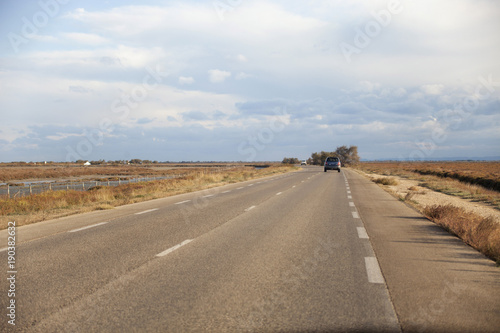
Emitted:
pixel 14 172
pixel 53 204
pixel 470 180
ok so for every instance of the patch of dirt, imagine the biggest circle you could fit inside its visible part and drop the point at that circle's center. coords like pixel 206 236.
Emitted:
pixel 420 197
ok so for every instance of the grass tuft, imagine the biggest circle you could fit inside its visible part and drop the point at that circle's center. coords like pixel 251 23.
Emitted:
pixel 386 181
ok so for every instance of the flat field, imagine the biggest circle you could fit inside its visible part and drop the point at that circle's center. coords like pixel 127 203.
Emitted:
pixel 485 174
pixel 11 172
pixel 478 181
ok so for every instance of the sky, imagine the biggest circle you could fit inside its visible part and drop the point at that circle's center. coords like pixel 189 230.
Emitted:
pixel 248 80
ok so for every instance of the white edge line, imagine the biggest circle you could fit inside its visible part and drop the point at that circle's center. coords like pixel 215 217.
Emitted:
pixel 173 248
pixel 178 203
pixel 249 208
pixel 88 227
pixel 147 211
pixel 362 233
pixel 373 270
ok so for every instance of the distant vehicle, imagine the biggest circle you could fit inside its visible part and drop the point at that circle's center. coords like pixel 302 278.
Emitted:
pixel 304 162
pixel 332 163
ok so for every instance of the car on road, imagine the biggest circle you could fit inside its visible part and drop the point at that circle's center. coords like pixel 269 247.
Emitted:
pixel 332 163
pixel 304 162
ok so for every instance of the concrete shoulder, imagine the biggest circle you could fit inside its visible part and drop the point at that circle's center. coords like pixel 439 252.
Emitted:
pixel 436 282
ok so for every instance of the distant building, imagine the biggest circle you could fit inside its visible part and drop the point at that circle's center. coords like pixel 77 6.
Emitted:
pixel 86 163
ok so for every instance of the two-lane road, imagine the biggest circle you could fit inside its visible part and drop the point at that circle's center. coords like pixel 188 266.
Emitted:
pixel 283 253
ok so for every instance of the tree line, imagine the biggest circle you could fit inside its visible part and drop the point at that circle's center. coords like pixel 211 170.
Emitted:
pixel 347 155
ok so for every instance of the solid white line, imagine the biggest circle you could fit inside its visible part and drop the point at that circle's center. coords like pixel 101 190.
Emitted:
pixel 226 191
pixel 351 204
pixel 279 193
pixel 208 196
pixel 147 211
pixel 88 227
pixel 355 215
pixel 249 208
pixel 173 248
pixel 362 233
pixel 178 203
pixel 373 270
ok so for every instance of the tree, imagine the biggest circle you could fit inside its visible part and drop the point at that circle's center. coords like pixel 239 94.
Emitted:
pixel 290 160
pixel 348 156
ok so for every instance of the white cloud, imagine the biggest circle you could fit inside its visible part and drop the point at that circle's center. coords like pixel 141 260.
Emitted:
pixel 242 76
pixel 218 76
pixel 84 38
pixel 186 80
pixel 432 89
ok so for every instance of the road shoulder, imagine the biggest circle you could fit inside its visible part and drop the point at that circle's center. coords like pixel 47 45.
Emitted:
pixel 436 282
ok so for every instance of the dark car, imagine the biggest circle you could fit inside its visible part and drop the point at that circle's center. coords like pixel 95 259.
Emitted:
pixel 332 163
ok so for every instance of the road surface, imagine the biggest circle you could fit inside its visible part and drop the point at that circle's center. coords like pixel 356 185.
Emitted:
pixel 304 251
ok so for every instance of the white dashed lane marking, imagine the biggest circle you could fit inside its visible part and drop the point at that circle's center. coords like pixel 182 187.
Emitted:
pixel 373 270
pixel 179 203
pixel 146 211
pixel 173 248
pixel 362 233
pixel 249 208
pixel 88 227
pixel 355 215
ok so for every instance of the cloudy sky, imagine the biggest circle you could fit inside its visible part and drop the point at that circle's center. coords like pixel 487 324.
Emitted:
pixel 243 80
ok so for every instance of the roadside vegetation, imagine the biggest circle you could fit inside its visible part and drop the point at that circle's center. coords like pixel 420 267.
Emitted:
pixel 481 233
pixel 53 204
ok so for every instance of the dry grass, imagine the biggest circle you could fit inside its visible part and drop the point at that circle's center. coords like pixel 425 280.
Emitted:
pixel 386 181
pixel 481 233
pixel 53 204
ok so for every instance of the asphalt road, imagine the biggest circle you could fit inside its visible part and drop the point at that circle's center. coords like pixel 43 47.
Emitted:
pixel 286 253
